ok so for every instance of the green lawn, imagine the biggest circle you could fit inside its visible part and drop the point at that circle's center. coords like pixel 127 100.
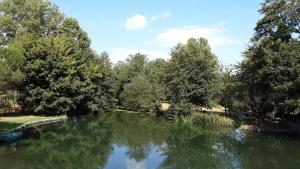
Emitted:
pixel 7 123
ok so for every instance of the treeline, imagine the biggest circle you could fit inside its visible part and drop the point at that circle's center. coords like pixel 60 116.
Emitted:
pixel 190 77
pixel 46 57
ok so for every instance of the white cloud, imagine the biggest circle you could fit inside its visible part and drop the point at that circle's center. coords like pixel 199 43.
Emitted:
pixel 213 34
pixel 136 22
pixel 139 21
pixel 165 15
pixel 120 54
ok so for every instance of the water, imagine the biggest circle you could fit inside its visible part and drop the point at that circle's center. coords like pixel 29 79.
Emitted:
pixel 132 141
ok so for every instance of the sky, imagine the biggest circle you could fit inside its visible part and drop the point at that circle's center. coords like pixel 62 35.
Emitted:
pixel 154 27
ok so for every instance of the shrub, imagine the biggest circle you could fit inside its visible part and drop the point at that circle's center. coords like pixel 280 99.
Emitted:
pixel 201 119
pixel 136 95
pixel 179 110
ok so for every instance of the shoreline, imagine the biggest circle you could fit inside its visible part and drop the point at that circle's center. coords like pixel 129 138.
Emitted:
pixel 34 123
pixel 268 129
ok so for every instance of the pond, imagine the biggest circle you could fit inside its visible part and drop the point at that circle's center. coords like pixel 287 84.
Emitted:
pixel 135 141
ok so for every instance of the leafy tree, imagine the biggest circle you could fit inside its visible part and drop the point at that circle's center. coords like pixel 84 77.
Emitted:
pixel 124 72
pixel 62 75
pixel 229 90
pixel 156 75
pixel 136 65
pixel 10 74
pixel 193 73
pixel 156 70
pixel 137 95
pixel 281 20
pixel 120 79
pixel 101 77
pixel 18 17
pixel 270 72
pixel 139 83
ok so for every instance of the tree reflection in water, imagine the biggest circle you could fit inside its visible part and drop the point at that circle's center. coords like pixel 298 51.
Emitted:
pixel 139 141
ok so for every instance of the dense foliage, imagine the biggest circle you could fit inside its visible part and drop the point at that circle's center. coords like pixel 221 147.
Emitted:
pixel 270 73
pixel 10 73
pixel 139 84
pixel 193 73
pixel 59 71
pixel 229 94
pixel 46 58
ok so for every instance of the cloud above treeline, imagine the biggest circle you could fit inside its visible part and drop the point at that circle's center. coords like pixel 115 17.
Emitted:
pixel 139 21
pixel 136 22
pixel 159 45
pixel 214 35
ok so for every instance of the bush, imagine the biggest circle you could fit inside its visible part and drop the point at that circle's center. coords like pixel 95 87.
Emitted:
pixel 201 119
pixel 181 109
pixel 135 96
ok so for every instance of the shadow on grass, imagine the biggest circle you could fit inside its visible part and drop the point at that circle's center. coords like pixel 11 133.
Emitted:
pixel 4 126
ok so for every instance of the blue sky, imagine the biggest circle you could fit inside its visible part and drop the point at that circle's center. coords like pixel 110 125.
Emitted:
pixel 153 27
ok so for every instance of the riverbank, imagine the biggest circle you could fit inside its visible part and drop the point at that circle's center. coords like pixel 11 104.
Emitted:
pixel 19 122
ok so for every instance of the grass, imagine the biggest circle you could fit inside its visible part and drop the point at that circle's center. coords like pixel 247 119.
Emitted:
pixel 215 109
pixel 202 119
pixel 126 111
pixel 8 123
pixel 121 110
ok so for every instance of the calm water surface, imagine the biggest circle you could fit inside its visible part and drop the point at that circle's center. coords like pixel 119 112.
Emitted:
pixel 132 141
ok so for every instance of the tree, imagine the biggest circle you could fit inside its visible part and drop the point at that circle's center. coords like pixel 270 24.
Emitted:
pixel 120 79
pixel 10 63
pixel 136 65
pixel 137 95
pixel 156 75
pixel 156 71
pixel 280 21
pixel 20 17
pixel 193 73
pixel 10 75
pixel 124 72
pixel 100 74
pixel 62 75
pixel 139 83
pixel 228 90
pixel 270 72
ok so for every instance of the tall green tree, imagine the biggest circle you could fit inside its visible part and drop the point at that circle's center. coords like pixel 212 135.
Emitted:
pixel 100 74
pixel 137 65
pixel 228 92
pixel 281 20
pixel 139 83
pixel 156 75
pixel 193 73
pixel 124 72
pixel 18 17
pixel 10 69
pixel 62 75
pixel 137 95
pixel 270 72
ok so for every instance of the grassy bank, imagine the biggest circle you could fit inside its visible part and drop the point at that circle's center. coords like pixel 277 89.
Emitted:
pixel 202 119
pixel 8 123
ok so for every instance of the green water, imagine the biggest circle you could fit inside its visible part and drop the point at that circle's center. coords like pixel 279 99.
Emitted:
pixel 132 141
